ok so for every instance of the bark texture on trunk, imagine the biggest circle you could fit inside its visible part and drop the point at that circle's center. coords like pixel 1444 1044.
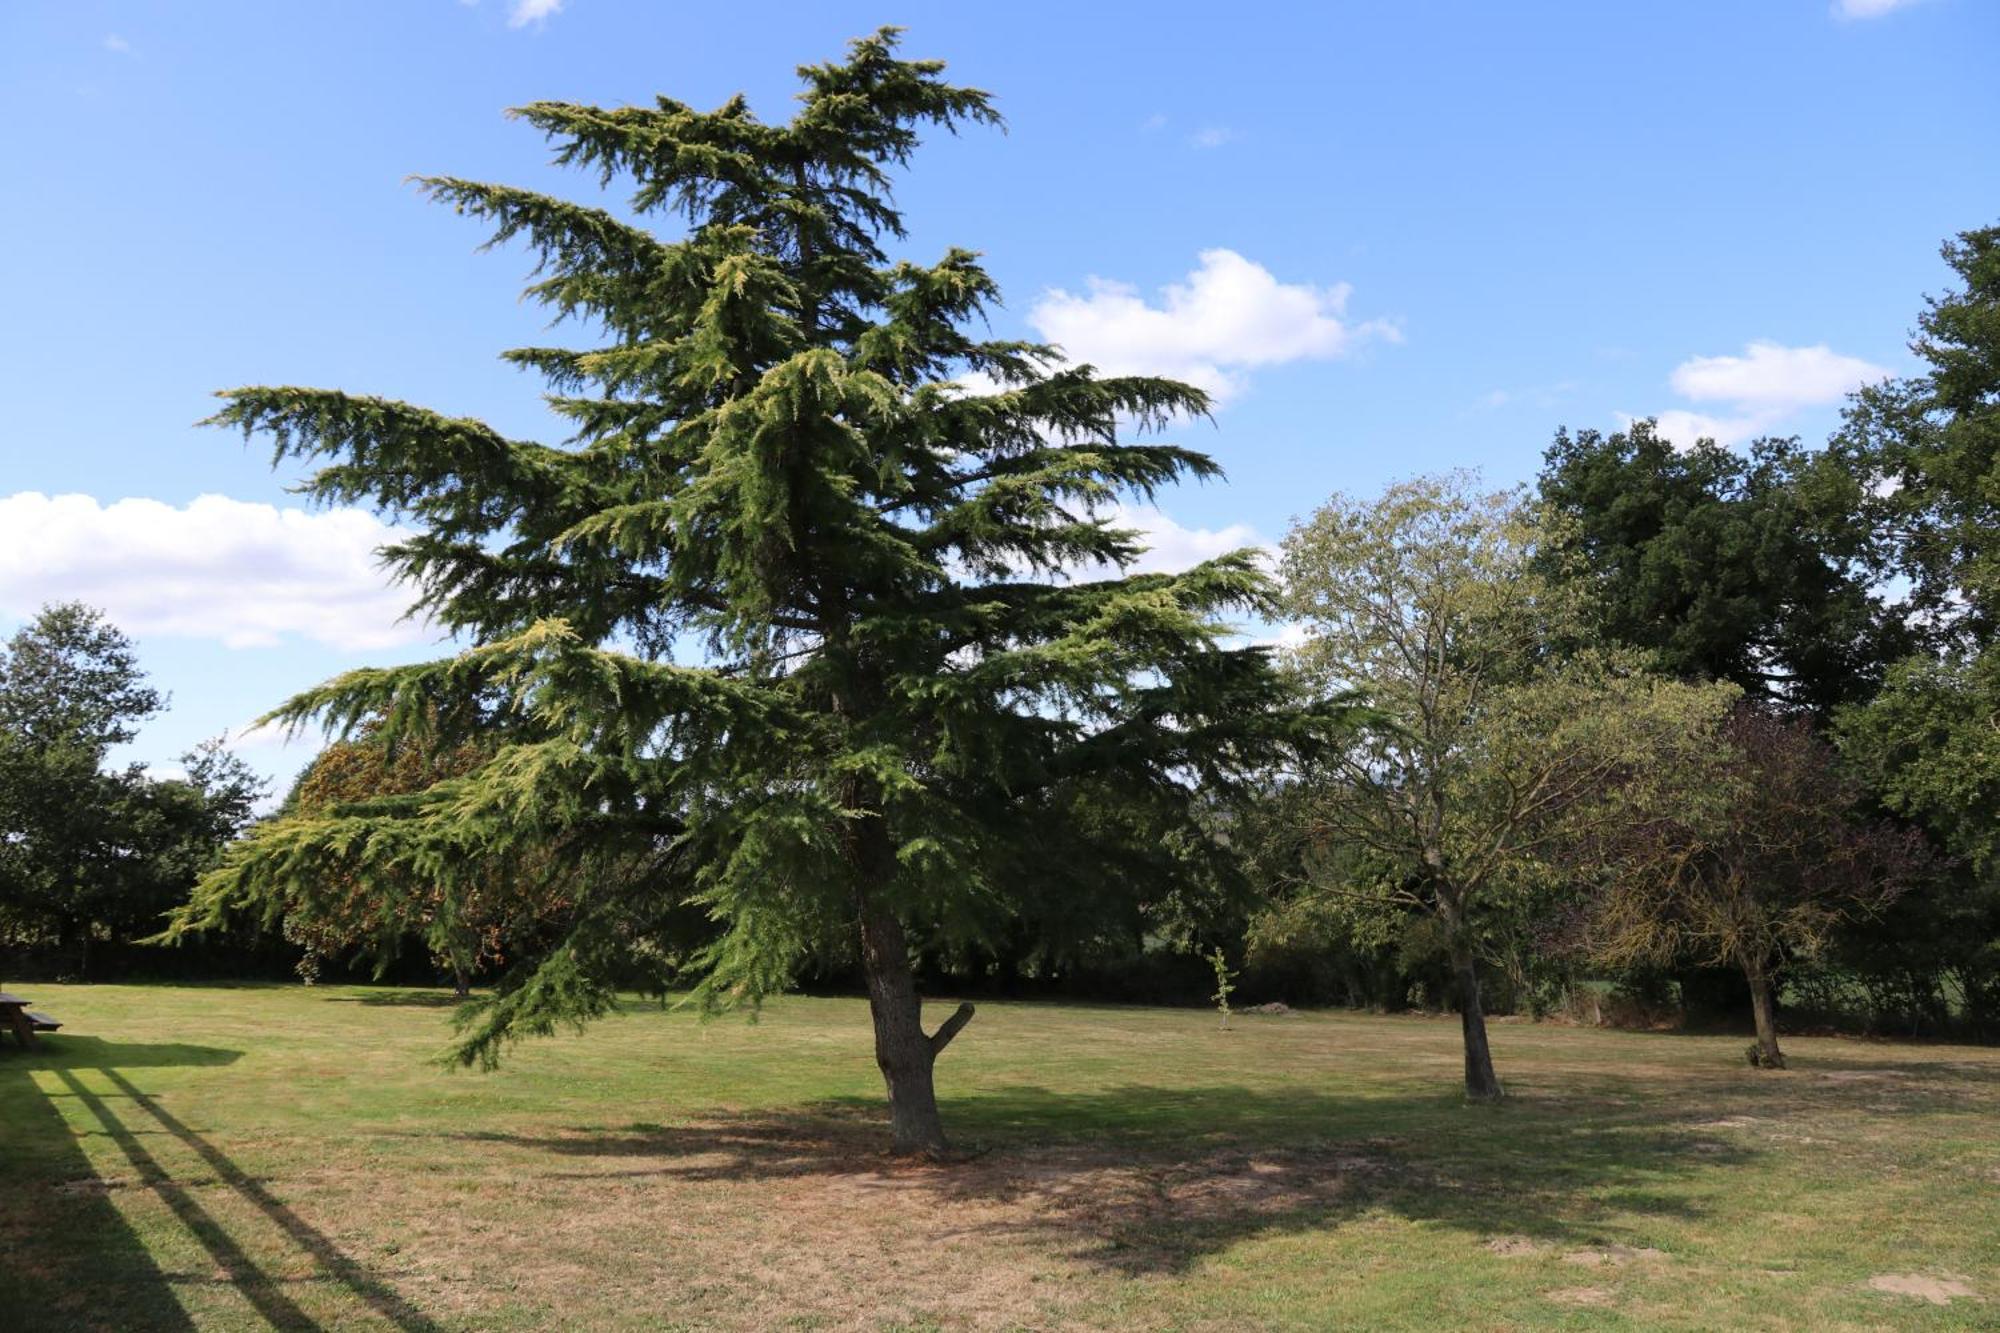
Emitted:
pixel 905 1053
pixel 1765 1054
pixel 1481 1083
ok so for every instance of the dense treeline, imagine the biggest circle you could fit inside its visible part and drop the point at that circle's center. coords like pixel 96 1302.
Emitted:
pixel 1665 717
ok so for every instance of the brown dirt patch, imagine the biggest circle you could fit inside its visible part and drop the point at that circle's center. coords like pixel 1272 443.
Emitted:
pixel 1581 1296
pixel 1936 1290
pixel 1514 1247
pixel 1616 1255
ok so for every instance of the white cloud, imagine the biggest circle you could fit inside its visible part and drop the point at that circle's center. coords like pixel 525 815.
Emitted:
pixel 1211 136
pixel 113 42
pixel 523 12
pixel 1172 547
pixel 1228 316
pixel 1868 9
pixel 1758 391
pixel 249 575
pixel 1774 377
pixel 1684 428
pixel 1156 121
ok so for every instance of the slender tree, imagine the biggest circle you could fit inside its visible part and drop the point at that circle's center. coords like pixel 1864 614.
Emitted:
pixel 885 681
pixel 1486 750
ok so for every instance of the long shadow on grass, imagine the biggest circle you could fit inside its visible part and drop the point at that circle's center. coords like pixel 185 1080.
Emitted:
pixel 130 1117
pixel 70 1259
pixel 1144 1179
pixel 402 999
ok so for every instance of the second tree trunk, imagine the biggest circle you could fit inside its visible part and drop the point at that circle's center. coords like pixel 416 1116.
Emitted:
pixel 1481 1083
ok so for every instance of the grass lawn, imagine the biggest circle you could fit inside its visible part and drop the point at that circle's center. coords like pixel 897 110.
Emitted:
pixel 251 1157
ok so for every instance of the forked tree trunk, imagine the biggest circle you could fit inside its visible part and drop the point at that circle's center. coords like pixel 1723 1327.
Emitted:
pixel 1764 1013
pixel 1481 1083
pixel 904 1051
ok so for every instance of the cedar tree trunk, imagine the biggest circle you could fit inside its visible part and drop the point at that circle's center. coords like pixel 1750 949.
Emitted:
pixel 904 1051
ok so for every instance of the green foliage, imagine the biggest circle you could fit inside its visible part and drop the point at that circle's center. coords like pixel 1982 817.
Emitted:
pixel 779 631
pixel 1928 449
pixel 1749 567
pixel 1485 747
pixel 70 680
pixel 1496 738
pixel 88 851
pixel 1751 851
pixel 1929 747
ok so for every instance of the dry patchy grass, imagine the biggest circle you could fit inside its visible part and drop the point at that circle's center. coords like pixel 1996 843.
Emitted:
pixel 186 1157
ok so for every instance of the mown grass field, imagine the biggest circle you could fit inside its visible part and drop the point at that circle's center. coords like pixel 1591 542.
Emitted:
pixel 252 1157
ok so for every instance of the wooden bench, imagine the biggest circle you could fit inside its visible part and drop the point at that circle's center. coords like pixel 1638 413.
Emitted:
pixel 15 1016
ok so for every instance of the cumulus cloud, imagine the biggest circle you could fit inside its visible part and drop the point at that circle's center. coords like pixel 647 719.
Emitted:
pixel 1759 390
pixel 1227 317
pixel 523 12
pixel 1868 9
pixel 1774 377
pixel 249 575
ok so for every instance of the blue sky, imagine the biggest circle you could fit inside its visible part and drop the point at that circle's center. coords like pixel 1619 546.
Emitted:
pixel 1395 238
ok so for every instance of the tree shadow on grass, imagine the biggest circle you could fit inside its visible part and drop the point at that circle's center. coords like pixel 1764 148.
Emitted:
pixel 71 1252
pixel 403 999
pixel 67 1256
pixel 1144 1179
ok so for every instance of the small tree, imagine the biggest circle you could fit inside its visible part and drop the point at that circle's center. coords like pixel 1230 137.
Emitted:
pixel 465 931
pixel 1747 858
pixel 886 686
pixel 1485 750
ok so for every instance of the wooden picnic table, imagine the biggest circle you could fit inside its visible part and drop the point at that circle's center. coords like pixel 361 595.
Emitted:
pixel 16 1018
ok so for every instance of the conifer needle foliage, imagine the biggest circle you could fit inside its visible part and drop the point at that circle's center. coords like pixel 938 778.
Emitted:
pixel 788 630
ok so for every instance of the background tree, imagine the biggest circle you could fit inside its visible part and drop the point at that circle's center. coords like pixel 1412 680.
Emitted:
pixel 1750 567
pixel 88 851
pixel 1927 450
pixel 1485 748
pixel 465 932
pixel 888 687
pixel 1750 856
pixel 1928 748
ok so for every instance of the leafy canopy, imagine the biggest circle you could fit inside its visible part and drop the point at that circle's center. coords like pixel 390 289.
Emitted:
pixel 1745 567
pixel 1494 741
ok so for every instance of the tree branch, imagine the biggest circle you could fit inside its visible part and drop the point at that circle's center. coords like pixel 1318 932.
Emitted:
pixel 950 1028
